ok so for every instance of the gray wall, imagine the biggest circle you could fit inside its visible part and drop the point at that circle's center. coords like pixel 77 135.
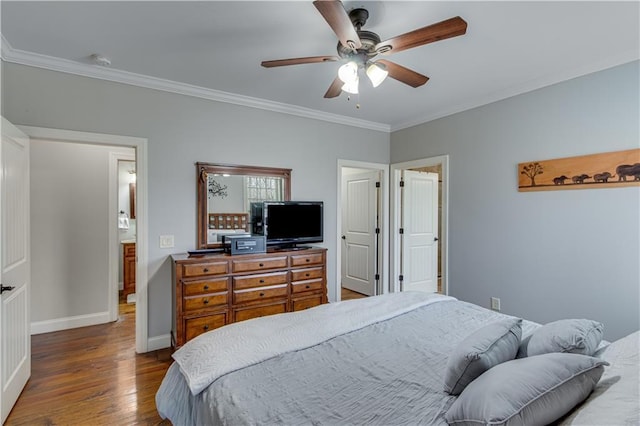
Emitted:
pixel 182 130
pixel 546 255
pixel 69 230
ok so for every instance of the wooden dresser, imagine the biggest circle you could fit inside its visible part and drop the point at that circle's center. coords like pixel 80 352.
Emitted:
pixel 217 289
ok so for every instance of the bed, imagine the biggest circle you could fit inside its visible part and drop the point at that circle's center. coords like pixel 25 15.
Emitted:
pixel 386 360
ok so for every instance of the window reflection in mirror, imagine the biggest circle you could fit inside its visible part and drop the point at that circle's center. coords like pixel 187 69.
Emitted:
pixel 225 194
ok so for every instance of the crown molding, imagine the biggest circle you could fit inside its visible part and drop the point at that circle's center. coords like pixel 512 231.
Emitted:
pixel 37 60
pixel 535 84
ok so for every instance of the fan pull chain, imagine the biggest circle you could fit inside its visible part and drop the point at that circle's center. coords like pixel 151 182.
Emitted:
pixel 357 102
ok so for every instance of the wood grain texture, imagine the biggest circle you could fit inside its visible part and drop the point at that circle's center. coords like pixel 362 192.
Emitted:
pixel 607 170
pixel 91 376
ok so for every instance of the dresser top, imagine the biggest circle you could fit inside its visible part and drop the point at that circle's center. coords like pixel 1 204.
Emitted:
pixel 226 256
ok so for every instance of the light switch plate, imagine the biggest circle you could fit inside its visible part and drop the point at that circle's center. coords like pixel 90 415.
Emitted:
pixel 166 241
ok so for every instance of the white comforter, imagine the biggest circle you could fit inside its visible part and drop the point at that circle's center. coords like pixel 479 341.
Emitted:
pixel 211 355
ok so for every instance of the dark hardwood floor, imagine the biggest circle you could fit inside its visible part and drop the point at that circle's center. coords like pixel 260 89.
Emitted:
pixel 347 294
pixel 92 376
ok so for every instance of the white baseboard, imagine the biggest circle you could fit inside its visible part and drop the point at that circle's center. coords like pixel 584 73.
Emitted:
pixel 67 323
pixel 159 342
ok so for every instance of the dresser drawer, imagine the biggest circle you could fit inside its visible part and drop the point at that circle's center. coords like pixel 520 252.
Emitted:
pixel 195 303
pixel 260 280
pixel 259 264
pixel 307 274
pixel 242 296
pixel 310 285
pixel 209 268
pixel 196 326
pixel 129 249
pixel 214 285
pixel 259 311
pixel 309 259
pixel 306 303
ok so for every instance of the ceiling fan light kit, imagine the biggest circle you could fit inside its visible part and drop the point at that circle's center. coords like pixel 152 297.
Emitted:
pixel 358 48
pixel 377 73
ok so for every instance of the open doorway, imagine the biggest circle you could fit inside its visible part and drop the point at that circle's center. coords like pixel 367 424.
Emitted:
pixel 419 256
pixel 126 233
pixel 362 251
pixel 78 142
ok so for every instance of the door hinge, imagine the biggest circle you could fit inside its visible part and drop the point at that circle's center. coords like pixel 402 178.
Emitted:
pixel 401 184
pixel 401 278
pixel 401 230
pixel 377 230
pixel 377 277
pixel 377 184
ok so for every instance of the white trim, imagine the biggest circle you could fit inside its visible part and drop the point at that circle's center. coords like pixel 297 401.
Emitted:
pixel 67 323
pixel 159 342
pixel 140 145
pixel 395 220
pixel 384 231
pixel 37 60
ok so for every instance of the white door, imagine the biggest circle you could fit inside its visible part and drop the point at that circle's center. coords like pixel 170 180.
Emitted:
pixel 359 224
pixel 420 231
pixel 15 341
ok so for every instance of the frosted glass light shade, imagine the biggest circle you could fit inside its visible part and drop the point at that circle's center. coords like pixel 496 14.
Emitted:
pixel 348 73
pixel 377 73
pixel 351 87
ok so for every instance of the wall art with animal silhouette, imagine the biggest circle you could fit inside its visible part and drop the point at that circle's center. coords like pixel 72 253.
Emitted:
pixel 606 170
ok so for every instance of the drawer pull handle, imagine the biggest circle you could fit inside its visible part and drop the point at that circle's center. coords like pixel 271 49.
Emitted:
pixel 308 286
pixel 205 301
pixel 205 270
pixel 307 260
pixel 306 275
pixel 261 265
pixel 261 281
pixel 206 287
pixel 261 294
pixel 206 327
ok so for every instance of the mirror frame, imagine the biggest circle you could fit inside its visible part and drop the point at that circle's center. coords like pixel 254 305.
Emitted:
pixel 204 169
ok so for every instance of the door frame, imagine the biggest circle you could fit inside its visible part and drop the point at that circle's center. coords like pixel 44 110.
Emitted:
pixel 395 217
pixel 140 146
pixel 384 221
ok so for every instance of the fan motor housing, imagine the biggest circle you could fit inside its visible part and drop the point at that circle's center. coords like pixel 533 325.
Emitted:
pixel 369 41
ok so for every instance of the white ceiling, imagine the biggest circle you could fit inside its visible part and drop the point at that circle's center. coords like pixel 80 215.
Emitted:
pixel 214 49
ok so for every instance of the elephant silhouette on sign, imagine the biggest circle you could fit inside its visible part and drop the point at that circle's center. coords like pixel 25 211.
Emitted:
pixel 625 170
pixel 580 178
pixel 559 180
pixel 603 177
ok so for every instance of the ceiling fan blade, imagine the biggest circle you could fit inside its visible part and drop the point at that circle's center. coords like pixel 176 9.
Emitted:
pixel 335 89
pixel 339 21
pixel 297 61
pixel 442 30
pixel 404 75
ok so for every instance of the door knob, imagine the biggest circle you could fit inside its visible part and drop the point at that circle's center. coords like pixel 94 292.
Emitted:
pixel 435 239
pixel 4 288
pixel 344 237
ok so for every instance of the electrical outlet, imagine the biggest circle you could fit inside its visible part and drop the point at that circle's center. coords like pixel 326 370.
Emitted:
pixel 495 304
pixel 166 241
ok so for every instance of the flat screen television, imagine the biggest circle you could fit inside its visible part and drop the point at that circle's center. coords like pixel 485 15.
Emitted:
pixel 288 223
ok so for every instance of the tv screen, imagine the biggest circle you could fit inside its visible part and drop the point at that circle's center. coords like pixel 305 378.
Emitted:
pixel 292 222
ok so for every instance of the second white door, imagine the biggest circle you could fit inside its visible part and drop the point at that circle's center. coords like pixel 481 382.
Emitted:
pixel 359 224
pixel 420 231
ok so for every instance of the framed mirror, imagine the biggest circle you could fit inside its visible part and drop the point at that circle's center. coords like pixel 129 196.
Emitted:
pixel 225 194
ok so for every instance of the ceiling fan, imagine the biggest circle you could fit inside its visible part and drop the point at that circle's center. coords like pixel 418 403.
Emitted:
pixel 358 48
